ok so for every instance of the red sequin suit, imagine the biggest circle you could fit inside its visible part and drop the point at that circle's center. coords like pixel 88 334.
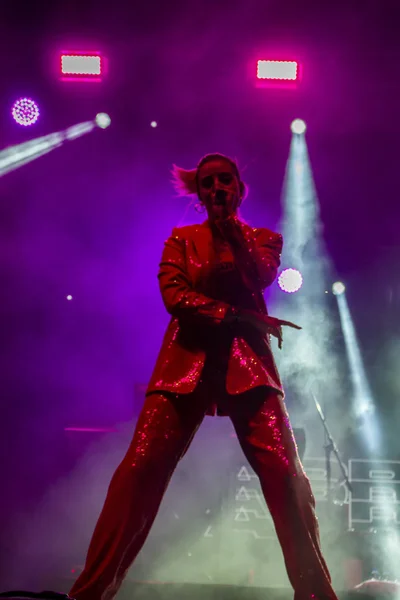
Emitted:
pixel 205 366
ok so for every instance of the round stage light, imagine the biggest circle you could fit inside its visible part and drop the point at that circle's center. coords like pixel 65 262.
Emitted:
pixel 338 288
pixel 25 111
pixel 298 126
pixel 290 281
pixel 103 120
pixel 153 124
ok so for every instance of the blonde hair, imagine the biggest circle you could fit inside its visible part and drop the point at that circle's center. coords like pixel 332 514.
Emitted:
pixel 185 180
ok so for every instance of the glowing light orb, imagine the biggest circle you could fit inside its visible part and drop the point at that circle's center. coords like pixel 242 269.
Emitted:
pixel 338 288
pixel 69 297
pixel 25 111
pixel 153 124
pixel 298 126
pixel 290 281
pixel 103 120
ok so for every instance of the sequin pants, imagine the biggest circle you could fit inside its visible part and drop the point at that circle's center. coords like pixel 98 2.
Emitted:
pixel 164 431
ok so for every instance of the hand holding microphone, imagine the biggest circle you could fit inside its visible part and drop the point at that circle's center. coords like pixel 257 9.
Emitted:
pixel 226 220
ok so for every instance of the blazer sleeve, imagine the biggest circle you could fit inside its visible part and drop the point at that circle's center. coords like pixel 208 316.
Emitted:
pixel 258 256
pixel 179 298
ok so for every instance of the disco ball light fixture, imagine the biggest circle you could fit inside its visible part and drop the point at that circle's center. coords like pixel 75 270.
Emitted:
pixel 25 111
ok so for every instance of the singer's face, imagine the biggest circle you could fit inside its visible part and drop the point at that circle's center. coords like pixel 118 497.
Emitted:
pixel 219 188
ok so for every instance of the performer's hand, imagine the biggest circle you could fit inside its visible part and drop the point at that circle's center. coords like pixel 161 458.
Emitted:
pixel 266 324
pixel 229 227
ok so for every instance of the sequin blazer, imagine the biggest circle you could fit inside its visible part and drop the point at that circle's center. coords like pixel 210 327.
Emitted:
pixel 197 321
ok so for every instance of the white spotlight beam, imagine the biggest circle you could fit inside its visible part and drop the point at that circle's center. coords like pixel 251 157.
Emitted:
pixel 13 157
pixel 363 400
pixel 78 130
pixel 308 359
pixel 301 202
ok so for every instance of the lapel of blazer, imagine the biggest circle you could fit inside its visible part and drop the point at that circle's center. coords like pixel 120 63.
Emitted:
pixel 200 251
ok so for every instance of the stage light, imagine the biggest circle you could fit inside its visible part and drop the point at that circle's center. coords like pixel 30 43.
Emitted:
pixel 153 124
pixel 277 69
pixel 81 64
pixel 298 126
pixel 338 288
pixel 69 297
pixel 103 120
pixel 25 111
pixel 290 281
pixel 16 156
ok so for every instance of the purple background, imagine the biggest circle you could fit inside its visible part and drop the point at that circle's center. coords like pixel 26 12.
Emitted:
pixel 90 218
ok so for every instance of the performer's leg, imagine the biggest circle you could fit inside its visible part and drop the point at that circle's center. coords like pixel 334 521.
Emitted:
pixel 264 432
pixel 164 430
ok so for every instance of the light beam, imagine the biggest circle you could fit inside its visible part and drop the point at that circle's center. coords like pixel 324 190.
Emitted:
pixel 16 156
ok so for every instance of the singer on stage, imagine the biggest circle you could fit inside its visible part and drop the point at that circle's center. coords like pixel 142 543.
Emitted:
pixel 215 359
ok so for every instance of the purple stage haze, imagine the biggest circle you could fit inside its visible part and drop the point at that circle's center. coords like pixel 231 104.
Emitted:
pixel 89 220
